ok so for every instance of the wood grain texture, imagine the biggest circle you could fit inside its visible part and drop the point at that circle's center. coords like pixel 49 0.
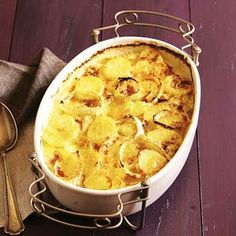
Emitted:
pixel 216 35
pixel 170 7
pixel 177 212
pixel 62 26
pixel 39 226
pixel 7 15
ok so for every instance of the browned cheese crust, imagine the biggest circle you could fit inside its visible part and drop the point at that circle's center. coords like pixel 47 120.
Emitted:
pixel 120 117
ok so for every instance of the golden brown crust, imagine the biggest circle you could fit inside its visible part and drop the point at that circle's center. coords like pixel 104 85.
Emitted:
pixel 119 117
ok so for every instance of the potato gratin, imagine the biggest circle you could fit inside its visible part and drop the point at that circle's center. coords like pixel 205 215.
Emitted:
pixel 119 118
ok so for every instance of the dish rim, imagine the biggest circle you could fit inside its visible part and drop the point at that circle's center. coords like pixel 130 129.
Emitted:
pixel 77 61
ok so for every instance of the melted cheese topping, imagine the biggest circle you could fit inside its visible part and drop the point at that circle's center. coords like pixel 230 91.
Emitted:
pixel 119 118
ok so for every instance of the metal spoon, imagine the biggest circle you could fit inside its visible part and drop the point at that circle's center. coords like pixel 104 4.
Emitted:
pixel 8 138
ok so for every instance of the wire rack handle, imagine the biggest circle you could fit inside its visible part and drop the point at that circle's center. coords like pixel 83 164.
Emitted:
pixel 131 17
pixel 99 221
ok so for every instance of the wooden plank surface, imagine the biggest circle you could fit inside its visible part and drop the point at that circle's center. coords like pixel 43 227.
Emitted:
pixel 62 26
pixel 217 37
pixel 7 16
pixel 177 212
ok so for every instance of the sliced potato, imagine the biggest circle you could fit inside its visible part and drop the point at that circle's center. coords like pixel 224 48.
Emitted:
pixel 90 84
pixel 61 131
pixel 183 104
pixel 127 86
pixel 128 128
pixel 149 54
pixel 89 99
pixel 116 67
pixel 174 85
pixel 128 153
pixel 138 108
pixel 88 159
pixel 170 119
pixel 76 109
pixel 116 175
pixel 154 109
pixel 97 180
pixel 66 164
pixel 129 150
pixel 166 139
pixel 151 161
pixel 62 121
pixel 131 127
pixel 143 66
pixel 148 90
pixel 118 108
pixel 102 128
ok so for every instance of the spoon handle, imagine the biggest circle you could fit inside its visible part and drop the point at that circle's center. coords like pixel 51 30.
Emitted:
pixel 14 224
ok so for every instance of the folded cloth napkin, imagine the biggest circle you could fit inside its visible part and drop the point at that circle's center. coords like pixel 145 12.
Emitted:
pixel 21 88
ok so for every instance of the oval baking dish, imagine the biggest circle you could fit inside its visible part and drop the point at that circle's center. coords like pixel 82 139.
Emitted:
pixel 92 201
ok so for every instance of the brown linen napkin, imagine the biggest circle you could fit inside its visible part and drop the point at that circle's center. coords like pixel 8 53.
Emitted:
pixel 21 88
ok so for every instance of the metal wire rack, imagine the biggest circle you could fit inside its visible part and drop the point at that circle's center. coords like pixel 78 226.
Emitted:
pixel 131 18
pixel 102 221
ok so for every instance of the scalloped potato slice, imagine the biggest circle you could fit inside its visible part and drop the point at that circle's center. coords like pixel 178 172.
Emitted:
pixel 87 98
pixel 128 128
pixel 155 88
pixel 129 150
pixel 48 152
pixel 54 137
pixel 111 152
pixel 131 127
pixel 138 108
pixel 61 131
pixel 150 60
pixel 142 66
pixel 116 67
pixel 127 86
pixel 148 90
pixel 82 103
pixel 149 54
pixel 76 109
pixel 88 159
pixel 151 161
pixel 116 176
pixel 102 128
pixel 128 153
pixel 173 85
pixel 118 108
pixel 168 140
pixel 97 180
pixel 66 164
pixel 184 104
pixel 153 109
pixel 170 119
pixel 90 84
pixel 62 121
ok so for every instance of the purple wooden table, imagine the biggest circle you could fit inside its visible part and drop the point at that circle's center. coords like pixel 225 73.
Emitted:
pixel 202 201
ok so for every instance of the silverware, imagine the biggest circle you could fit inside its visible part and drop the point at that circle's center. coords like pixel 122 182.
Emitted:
pixel 8 137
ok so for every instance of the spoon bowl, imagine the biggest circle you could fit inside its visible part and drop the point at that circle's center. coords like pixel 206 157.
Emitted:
pixel 8 129
pixel 8 138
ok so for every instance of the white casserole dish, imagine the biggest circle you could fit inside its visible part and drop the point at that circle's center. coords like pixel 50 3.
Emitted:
pixel 106 201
